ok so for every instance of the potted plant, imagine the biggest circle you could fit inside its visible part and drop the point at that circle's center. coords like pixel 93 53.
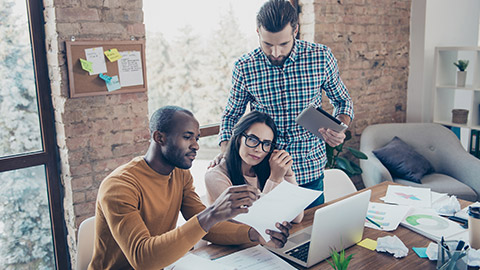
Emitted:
pixel 334 160
pixel 461 73
pixel 339 262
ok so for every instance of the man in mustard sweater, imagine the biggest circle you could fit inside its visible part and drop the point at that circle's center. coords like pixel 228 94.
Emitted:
pixel 139 202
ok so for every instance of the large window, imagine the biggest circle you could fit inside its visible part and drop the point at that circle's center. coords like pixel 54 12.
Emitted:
pixel 32 231
pixel 191 48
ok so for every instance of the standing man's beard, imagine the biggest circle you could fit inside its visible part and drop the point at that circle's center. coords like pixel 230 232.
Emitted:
pixel 279 61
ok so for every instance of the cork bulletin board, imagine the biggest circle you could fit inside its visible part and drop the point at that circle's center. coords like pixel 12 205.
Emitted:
pixel 83 84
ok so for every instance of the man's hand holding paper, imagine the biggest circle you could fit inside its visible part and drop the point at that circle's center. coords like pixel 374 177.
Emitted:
pixel 283 203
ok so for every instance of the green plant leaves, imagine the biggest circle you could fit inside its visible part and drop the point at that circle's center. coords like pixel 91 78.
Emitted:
pixel 347 166
pixel 339 262
pixel 358 154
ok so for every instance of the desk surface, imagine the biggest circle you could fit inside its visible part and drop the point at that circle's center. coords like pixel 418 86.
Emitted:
pixel 362 258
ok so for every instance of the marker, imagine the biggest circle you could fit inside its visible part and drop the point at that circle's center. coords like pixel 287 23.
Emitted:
pixel 374 223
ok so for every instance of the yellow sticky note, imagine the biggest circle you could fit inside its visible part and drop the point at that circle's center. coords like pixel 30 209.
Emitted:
pixel 86 65
pixel 368 243
pixel 112 55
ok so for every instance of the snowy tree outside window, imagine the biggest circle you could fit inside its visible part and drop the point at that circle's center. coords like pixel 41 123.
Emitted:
pixel 191 48
pixel 25 227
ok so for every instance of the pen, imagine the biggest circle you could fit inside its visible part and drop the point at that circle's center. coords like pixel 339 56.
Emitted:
pixel 374 223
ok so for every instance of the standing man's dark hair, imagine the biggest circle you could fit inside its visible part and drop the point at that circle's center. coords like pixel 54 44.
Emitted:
pixel 275 14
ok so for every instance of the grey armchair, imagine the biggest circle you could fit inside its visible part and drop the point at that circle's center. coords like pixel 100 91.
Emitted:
pixel 456 171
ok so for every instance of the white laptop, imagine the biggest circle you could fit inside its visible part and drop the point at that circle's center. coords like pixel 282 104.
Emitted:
pixel 339 225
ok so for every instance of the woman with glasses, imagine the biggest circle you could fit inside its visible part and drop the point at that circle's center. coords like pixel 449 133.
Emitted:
pixel 251 158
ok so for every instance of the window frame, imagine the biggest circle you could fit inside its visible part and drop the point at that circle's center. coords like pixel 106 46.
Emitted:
pixel 49 156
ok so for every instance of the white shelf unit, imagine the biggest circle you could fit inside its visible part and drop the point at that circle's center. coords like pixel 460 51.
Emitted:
pixel 447 95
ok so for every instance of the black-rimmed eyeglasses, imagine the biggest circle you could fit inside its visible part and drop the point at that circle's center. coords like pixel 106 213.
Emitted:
pixel 252 141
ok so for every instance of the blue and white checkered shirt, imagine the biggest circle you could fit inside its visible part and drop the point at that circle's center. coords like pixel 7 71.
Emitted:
pixel 282 93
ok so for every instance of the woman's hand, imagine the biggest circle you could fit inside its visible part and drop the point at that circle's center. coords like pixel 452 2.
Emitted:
pixel 280 164
pixel 277 238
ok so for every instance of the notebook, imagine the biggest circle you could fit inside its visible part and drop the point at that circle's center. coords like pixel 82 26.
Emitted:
pixel 339 225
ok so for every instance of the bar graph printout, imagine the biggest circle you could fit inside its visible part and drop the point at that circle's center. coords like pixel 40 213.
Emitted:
pixel 387 215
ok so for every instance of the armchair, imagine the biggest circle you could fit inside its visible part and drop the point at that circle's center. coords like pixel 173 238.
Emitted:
pixel 456 171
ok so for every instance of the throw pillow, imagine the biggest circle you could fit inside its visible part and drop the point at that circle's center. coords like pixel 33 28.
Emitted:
pixel 403 161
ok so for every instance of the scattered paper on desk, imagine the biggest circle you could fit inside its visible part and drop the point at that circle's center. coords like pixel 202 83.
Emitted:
pixel 86 65
pixel 113 84
pixel 283 203
pixel 254 258
pixel 413 196
pixel 95 55
pixel 392 245
pixel 112 55
pixel 446 206
pixel 387 215
pixel 191 261
pixel 429 224
pixel 464 212
pixel 368 243
pixel 421 251
pixel 130 69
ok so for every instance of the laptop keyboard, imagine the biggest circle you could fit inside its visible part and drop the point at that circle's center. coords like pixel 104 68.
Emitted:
pixel 300 252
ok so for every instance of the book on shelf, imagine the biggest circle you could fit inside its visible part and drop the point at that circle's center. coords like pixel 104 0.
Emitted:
pixel 474 143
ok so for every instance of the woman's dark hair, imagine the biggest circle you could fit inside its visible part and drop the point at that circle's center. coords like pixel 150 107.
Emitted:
pixel 274 15
pixel 232 157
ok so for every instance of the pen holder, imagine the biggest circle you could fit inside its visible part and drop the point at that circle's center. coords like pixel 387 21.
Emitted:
pixel 449 258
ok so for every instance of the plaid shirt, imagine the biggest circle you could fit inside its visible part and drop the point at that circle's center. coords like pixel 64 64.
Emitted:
pixel 282 93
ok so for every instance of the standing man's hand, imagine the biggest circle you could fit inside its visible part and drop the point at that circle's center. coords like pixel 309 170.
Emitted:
pixel 219 157
pixel 332 137
pixel 216 160
pixel 233 201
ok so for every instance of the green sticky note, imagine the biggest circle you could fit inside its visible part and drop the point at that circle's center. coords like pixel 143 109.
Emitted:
pixel 86 65
pixel 368 243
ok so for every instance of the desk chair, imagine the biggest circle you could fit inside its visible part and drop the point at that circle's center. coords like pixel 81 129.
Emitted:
pixel 86 233
pixel 336 184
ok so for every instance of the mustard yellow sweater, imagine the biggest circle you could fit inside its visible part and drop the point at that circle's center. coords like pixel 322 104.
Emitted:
pixel 136 217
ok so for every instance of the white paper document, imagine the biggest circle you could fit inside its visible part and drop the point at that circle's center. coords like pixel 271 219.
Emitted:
pixel 191 261
pixel 254 258
pixel 130 69
pixel 95 55
pixel 387 215
pixel 413 196
pixel 429 224
pixel 283 203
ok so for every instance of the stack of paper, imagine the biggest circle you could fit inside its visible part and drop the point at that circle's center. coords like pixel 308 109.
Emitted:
pixel 429 224
pixel 253 258
pixel 412 196
pixel 386 215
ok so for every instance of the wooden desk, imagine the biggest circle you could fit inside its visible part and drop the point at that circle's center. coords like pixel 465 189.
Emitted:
pixel 362 258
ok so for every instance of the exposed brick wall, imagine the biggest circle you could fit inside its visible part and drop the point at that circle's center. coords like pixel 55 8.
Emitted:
pixel 370 40
pixel 94 134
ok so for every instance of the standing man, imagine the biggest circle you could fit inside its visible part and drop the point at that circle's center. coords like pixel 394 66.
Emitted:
pixel 281 78
pixel 139 202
